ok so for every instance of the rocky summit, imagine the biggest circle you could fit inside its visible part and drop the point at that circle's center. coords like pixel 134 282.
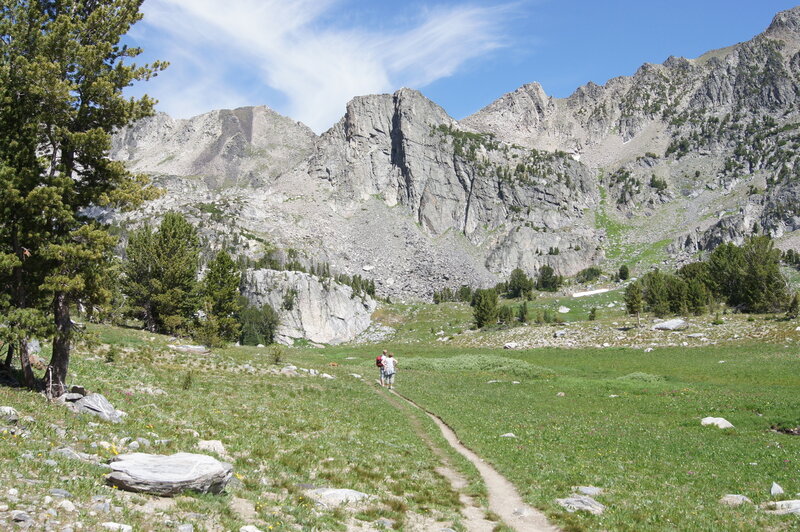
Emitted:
pixel 675 159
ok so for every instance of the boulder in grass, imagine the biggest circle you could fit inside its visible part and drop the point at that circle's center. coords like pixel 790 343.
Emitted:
pixel 735 500
pixel 577 503
pixel 169 475
pixel 8 415
pixel 329 497
pixel 676 324
pixel 719 422
pixel 97 405
pixel 784 507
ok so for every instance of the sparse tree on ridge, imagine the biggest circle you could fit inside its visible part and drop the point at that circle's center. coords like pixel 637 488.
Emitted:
pixel 62 72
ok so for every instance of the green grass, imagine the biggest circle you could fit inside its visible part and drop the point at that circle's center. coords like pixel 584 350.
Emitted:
pixel 282 432
pixel 660 468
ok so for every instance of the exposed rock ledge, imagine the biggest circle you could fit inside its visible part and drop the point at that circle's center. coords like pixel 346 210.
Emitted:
pixel 322 311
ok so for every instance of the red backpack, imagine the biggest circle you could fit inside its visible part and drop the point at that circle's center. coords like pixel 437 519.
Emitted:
pixel 379 361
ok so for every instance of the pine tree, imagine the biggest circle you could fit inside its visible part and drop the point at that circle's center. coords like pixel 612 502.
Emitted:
pixel 519 284
pixel 484 303
pixel 522 315
pixel 62 72
pixel 161 275
pixel 633 300
pixel 548 281
pixel 221 304
pixel 624 272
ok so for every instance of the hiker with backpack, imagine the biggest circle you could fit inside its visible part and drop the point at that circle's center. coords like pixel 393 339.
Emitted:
pixel 389 369
pixel 379 362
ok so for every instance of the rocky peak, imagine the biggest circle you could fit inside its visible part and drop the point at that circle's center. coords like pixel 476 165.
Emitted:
pixel 785 24
pixel 223 147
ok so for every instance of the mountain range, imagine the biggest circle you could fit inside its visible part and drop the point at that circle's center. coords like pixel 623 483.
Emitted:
pixel 647 169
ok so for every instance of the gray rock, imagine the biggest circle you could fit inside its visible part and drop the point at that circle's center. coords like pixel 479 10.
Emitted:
pixel 776 489
pixel 8 415
pixel 383 522
pixel 592 491
pixel 67 506
pixel 559 333
pixel 511 345
pixel 334 497
pixel 60 493
pixel 71 397
pixel 784 507
pixel 576 503
pixel 323 312
pixel 18 516
pixel 185 527
pixel 169 475
pixel 670 325
pixel 249 528
pixel 719 422
pixel 97 405
pixel 735 500
pixel 508 435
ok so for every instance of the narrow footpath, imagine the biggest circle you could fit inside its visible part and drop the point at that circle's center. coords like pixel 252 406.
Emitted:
pixel 504 500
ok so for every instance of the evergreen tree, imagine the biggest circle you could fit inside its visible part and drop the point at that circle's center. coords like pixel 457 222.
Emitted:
pixel 656 293
pixel 221 302
pixel 762 287
pixel 522 314
pixel 505 315
pixel 592 313
pixel 161 275
pixel 634 300
pixel 62 72
pixel 519 284
pixel 548 281
pixel 624 272
pixel 259 324
pixel 697 296
pixel 484 303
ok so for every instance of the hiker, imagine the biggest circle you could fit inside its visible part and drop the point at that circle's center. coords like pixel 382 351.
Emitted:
pixel 389 369
pixel 379 362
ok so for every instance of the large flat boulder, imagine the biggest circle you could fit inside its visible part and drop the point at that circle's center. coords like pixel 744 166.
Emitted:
pixel 169 475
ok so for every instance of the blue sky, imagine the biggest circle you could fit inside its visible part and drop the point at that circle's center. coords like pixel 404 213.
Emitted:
pixel 307 58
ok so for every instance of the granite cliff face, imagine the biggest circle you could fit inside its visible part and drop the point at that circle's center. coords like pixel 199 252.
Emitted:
pixel 318 310
pixel 677 158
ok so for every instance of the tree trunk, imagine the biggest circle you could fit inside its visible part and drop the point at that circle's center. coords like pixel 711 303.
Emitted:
pixel 25 361
pixel 55 380
pixel 9 356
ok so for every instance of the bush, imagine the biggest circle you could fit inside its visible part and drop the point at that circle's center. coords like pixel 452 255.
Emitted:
pixel 519 284
pixel 548 281
pixel 624 273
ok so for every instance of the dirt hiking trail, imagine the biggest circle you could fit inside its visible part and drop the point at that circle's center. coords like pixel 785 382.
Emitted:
pixel 504 500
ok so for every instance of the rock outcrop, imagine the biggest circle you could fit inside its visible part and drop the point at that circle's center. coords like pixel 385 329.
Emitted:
pixel 319 310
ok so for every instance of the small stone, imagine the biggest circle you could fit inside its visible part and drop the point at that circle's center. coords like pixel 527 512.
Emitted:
pixel 66 505
pixel 335 497
pixel 249 528
pixel 134 445
pixel 19 516
pixel 735 500
pixel 561 394
pixel 108 525
pixel 559 334
pixel 212 446
pixel 784 507
pixel 185 527
pixel 356 376
pixel 59 493
pixel 511 345
pixel 776 489
pixel 50 463
pixel 508 435
pixel 13 492
pixel 383 522
pixel 326 376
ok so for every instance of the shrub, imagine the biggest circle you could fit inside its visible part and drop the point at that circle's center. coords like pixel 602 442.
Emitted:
pixel 624 272
pixel 484 303
pixel 548 281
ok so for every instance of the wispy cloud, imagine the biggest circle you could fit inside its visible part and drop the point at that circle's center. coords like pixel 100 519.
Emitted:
pixel 225 54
